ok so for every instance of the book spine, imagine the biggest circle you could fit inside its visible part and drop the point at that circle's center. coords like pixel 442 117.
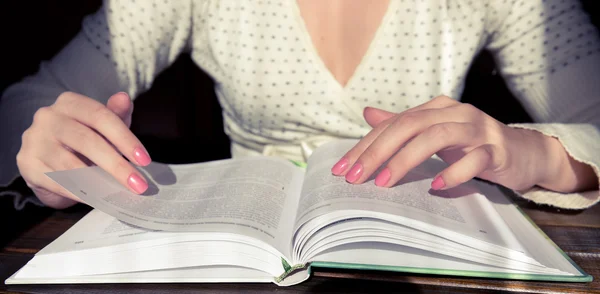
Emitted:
pixel 288 269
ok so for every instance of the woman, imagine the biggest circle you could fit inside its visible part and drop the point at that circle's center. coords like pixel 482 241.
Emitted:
pixel 295 73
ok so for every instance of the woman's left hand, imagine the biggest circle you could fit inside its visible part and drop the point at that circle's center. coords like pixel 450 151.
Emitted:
pixel 470 141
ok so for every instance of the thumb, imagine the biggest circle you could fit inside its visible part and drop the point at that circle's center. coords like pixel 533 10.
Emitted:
pixel 121 105
pixel 374 116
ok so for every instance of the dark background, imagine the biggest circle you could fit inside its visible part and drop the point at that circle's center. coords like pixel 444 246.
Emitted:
pixel 190 129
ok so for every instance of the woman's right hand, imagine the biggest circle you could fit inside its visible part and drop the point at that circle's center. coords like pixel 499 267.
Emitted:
pixel 75 132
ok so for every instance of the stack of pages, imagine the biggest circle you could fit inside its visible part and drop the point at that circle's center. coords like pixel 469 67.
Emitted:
pixel 264 219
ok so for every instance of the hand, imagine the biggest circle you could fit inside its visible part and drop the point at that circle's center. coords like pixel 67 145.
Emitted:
pixel 74 132
pixel 471 142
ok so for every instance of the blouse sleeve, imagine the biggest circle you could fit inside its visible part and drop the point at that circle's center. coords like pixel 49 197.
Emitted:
pixel 122 47
pixel 549 54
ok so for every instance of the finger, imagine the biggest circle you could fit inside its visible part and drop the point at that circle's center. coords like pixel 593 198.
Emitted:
pixel 341 168
pixel 41 144
pixel 380 120
pixel 390 140
pixel 108 124
pixel 91 145
pixel 375 116
pixel 63 159
pixel 471 165
pixel 121 105
pixel 436 103
pixel 423 146
pixel 84 159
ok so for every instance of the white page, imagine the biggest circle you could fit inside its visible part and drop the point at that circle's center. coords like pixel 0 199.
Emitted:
pixel 99 244
pixel 371 230
pixel 168 256
pixel 209 274
pixel 320 230
pixel 254 196
pixel 538 246
pixel 98 233
pixel 460 210
pixel 401 256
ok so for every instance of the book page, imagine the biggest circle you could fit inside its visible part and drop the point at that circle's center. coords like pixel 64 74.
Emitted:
pixel 377 254
pixel 255 197
pixel 374 230
pixel 538 244
pixel 461 210
pixel 98 230
pixel 209 274
pixel 100 244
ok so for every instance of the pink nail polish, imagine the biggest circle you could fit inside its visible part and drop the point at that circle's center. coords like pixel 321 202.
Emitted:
pixel 355 172
pixel 383 177
pixel 438 183
pixel 141 156
pixel 136 183
pixel 340 167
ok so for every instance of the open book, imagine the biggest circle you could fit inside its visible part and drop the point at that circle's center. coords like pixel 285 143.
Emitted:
pixel 264 219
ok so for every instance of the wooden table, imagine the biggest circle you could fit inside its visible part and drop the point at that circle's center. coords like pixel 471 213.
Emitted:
pixel 577 233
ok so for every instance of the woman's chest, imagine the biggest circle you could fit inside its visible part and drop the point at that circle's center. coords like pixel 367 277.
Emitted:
pixel 341 31
pixel 265 56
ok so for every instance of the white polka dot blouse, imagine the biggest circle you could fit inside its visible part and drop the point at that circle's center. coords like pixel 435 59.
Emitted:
pixel 276 93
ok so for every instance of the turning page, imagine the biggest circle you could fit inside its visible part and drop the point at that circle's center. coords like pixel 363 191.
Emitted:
pixel 255 197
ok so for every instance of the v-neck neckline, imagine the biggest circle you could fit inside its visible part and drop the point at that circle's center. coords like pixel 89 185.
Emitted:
pixel 314 53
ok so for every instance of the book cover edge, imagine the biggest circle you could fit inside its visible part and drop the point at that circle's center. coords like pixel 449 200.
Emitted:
pixel 567 257
pixel 450 272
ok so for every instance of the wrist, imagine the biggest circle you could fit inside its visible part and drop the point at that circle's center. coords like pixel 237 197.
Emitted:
pixel 562 173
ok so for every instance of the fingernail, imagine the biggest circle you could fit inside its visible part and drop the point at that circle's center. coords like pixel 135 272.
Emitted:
pixel 340 167
pixel 383 177
pixel 354 173
pixel 136 183
pixel 141 156
pixel 438 183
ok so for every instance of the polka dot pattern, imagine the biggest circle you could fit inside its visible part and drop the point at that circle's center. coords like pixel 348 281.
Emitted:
pixel 140 38
pixel 275 89
pixel 536 40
